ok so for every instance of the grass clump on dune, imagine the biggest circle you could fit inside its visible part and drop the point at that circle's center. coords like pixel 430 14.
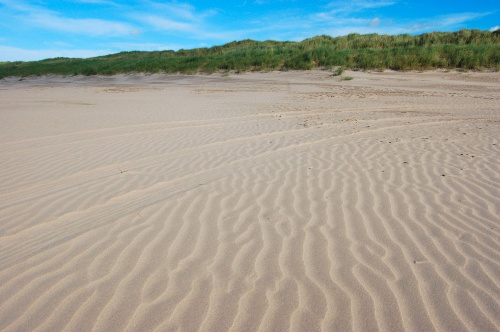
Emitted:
pixel 466 49
pixel 338 71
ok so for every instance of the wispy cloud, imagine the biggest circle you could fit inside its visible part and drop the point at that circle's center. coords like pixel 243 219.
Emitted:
pixel 20 6
pixel 48 19
pixel 146 46
pixel 8 53
pixel 63 44
pixel 344 17
pixel 450 21
pixel 438 23
pixel 98 2
pixel 179 11
pixel 168 24
pixel 80 26
pixel 375 22
pixel 361 4
pixel 346 7
pixel 194 30
pixel 341 12
pixel 184 19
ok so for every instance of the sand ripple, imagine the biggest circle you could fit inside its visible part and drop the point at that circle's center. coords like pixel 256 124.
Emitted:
pixel 270 202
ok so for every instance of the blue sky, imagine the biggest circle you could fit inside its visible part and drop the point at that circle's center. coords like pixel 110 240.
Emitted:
pixel 38 29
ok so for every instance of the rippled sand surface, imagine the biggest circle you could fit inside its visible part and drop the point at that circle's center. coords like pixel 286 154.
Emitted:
pixel 290 201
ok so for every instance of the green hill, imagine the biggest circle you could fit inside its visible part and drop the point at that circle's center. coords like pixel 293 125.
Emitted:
pixel 467 49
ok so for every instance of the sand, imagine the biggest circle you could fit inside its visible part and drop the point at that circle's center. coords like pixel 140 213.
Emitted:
pixel 283 201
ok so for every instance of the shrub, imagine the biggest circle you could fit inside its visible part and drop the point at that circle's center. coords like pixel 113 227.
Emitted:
pixel 338 71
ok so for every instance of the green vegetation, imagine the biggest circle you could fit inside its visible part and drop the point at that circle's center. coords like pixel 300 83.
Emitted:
pixel 466 49
pixel 338 71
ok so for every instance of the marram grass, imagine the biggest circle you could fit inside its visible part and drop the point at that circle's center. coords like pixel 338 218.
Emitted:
pixel 465 49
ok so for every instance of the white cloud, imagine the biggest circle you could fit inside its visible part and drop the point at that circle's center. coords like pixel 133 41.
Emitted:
pixel 375 22
pixel 451 21
pixel 296 26
pixel 145 46
pixel 168 24
pixel 40 17
pixel 177 10
pixel 80 26
pixel 420 27
pixel 344 17
pixel 194 30
pixel 174 11
pixel 337 23
pixel 180 18
pixel 63 44
pixel 495 28
pixel 99 2
pixel 345 7
pixel 20 6
pixel 366 29
pixel 8 53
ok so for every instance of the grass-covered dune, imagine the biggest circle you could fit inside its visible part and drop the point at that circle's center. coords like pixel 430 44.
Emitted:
pixel 466 49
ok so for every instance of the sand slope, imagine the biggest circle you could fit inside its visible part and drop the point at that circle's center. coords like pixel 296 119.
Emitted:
pixel 271 201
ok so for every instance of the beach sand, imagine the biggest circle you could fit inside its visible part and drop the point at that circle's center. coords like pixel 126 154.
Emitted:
pixel 282 201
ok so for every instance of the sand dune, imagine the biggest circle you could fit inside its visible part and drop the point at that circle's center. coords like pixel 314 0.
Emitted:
pixel 269 201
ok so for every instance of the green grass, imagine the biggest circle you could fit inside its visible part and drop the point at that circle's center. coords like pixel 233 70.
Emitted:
pixel 465 49
pixel 338 71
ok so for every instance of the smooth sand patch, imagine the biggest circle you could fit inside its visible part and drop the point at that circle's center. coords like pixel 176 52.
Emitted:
pixel 265 201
